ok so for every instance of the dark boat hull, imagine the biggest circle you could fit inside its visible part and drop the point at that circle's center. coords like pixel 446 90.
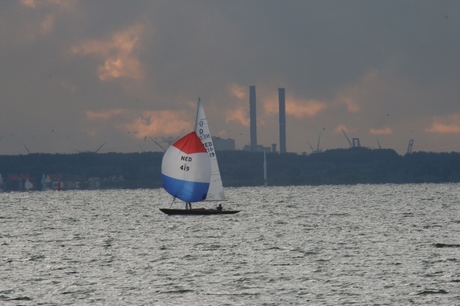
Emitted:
pixel 198 211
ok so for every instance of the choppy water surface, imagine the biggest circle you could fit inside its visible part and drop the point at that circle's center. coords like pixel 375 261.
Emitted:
pixel 334 245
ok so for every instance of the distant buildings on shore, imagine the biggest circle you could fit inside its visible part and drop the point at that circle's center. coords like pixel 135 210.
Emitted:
pixel 229 144
pixel 223 144
pixel 24 182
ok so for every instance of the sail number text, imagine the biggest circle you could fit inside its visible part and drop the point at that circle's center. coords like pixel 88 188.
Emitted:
pixel 208 145
pixel 185 167
pixel 210 148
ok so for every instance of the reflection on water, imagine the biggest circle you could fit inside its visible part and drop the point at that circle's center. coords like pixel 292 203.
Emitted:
pixel 363 244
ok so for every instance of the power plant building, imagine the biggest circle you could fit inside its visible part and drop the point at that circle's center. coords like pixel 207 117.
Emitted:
pixel 221 144
pixel 253 146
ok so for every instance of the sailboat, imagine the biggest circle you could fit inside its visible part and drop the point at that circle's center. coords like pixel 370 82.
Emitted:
pixel 190 171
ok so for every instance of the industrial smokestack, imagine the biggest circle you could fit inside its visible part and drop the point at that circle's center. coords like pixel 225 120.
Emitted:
pixel 253 117
pixel 282 113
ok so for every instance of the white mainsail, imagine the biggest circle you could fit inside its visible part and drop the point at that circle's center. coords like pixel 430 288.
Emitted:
pixel 216 190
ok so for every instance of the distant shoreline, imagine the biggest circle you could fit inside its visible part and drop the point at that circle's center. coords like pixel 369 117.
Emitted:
pixel 238 168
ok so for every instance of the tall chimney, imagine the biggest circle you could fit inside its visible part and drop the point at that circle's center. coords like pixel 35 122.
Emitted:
pixel 253 117
pixel 282 113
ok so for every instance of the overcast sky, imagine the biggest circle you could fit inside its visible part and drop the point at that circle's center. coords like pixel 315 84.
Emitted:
pixel 76 74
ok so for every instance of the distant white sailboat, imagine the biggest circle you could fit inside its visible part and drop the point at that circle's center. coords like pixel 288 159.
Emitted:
pixel 45 182
pixel 28 185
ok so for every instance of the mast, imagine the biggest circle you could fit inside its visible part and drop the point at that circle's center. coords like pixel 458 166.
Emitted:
pixel 265 169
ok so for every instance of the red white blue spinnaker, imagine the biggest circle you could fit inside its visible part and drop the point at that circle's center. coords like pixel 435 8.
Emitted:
pixel 186 169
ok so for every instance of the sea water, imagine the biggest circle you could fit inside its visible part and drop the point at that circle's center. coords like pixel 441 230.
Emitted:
pixel 303 245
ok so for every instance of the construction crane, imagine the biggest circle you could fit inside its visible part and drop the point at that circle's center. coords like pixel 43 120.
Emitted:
pixel 312 150
pixel 348 139
pixel 158 144
pixel 168 141
pixel 317 146
pixel 409 146
pixel 354 143
pixel 27 149
pixel 318 150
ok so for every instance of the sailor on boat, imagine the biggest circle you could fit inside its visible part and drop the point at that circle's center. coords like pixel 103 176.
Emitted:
pixel 219 207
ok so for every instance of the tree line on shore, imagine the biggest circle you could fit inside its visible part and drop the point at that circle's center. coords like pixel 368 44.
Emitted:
pixel 243 168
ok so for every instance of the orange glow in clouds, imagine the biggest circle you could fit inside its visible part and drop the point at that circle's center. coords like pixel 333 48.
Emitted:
pixel 166 123
pixel 149 123
pixel 29 3
pixel 360 92
pixel 43 24
pixel 382 131
pixel 341 127
pixel 62 4
pixel 349 101
pixel 119 54
pixel 295 107
pixel 239 115
pixel 239 92
pixel 445 125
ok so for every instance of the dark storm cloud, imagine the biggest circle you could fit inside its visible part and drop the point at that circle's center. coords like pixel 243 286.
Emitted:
pixel 81 73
